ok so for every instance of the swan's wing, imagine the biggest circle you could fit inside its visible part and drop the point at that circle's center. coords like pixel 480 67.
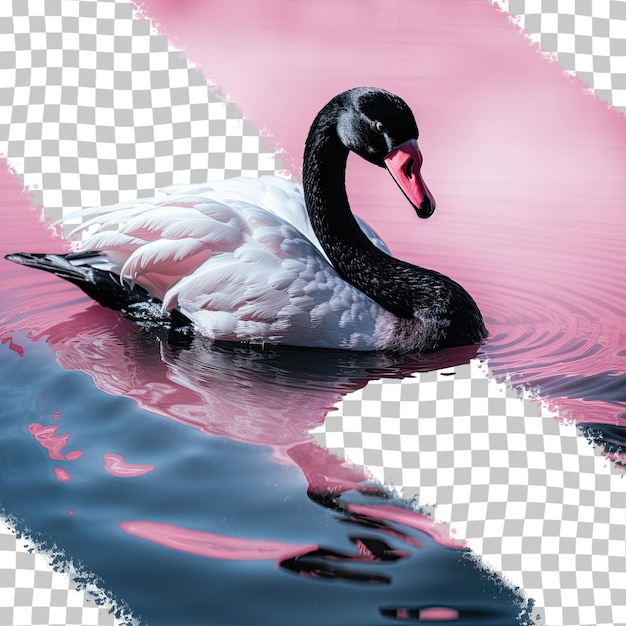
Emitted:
pixel 276 195
pixel 276 287
pixel 164 238
pixel 240 271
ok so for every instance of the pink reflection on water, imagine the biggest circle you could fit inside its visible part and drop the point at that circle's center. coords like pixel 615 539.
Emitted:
pixel 13 346
pixel 408 518
pixel 438 614
pixel 217 391
pixel 313 560
pixel 53 443
pixel 116 464
pixel 61 474
pixel 213 545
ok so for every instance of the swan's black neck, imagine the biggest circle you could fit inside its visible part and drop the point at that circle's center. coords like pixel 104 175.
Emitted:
pixel 406 290
pixel 351 253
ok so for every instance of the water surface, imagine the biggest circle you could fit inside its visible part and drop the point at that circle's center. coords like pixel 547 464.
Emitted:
pixel 185 476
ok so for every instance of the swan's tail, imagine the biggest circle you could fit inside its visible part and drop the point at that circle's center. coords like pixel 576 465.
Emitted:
pixel 102 285
pixel 58 264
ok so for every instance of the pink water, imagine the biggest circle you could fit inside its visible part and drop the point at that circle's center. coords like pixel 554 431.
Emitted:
pixel 526 168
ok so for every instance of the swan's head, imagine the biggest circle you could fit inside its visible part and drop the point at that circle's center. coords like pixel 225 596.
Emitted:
pixel 380 127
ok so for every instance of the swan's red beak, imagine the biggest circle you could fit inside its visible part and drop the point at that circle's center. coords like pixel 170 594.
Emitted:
pixel 404 164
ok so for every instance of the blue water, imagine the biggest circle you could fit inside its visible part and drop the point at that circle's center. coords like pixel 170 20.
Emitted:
pixel 216 483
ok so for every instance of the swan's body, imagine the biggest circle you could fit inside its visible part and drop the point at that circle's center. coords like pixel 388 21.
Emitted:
pixel 242 260
pixel 248 273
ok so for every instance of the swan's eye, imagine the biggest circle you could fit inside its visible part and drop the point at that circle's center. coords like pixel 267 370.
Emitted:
pixel 380 127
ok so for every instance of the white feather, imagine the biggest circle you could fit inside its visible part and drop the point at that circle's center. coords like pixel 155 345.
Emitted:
pixel 240 259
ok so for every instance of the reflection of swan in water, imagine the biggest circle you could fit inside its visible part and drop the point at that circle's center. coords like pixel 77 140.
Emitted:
pixel 273 399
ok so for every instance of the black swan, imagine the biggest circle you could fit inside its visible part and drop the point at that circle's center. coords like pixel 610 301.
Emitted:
pixel 271 262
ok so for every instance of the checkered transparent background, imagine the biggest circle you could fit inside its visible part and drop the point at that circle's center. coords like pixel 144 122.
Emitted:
pixel 529 494
pixel 587 37
pixel 95 108
pixel 31 592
